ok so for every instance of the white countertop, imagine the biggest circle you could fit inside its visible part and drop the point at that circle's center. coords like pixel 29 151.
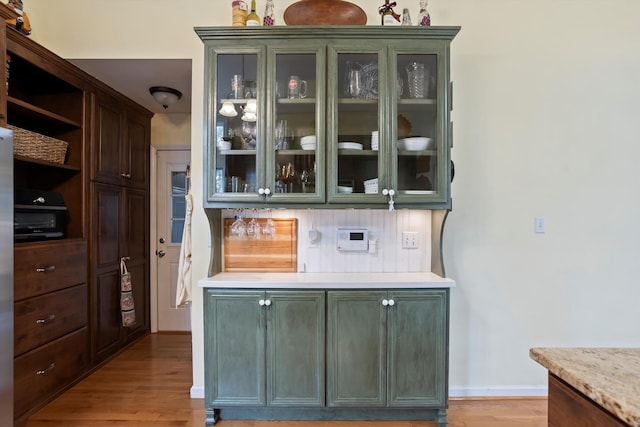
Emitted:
pixel 327 280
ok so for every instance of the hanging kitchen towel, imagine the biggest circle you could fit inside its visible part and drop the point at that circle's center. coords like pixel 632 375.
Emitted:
pixel 127 307
pixel 183 292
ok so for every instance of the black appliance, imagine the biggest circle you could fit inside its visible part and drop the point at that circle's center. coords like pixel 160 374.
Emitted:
pixel 38 215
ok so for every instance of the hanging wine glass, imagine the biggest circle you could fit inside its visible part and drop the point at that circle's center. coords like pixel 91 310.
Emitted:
pixel 253 228
pixel 239 227
pixel 269 228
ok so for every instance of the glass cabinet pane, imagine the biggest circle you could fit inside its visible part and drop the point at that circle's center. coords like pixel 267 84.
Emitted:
pixel 356 166
pixel 417 133
pixel 296 142
pixel 236 129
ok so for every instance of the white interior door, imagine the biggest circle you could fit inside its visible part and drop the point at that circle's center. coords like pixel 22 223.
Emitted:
pixel 172 186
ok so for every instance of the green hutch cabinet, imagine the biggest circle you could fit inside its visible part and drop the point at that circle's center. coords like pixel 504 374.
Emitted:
pixel 264 348
pixel 387 348
pixel 344 116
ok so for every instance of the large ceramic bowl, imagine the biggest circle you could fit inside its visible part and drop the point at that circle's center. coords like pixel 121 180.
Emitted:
pixel 415 143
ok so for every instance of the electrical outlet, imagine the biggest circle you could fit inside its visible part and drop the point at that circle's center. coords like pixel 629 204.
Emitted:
pixel 409 240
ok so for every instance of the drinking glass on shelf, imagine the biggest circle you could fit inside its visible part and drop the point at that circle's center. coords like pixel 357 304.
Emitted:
pixel 287 175
pixel 355 83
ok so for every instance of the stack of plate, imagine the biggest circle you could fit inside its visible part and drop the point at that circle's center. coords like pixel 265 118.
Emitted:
pixel 371 186
pixel 349 146
pixel 345 190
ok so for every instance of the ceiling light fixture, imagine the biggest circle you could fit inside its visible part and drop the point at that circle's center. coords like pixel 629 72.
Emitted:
pixel 165 96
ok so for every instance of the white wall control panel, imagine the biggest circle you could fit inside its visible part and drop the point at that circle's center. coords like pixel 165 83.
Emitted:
pixel 353 239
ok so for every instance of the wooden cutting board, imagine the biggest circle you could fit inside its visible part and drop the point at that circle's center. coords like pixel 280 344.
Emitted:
pixel 324 12
pixel 266 254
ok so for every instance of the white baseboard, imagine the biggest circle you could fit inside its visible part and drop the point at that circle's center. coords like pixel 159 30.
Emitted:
pixel 197 392
pixel 524 391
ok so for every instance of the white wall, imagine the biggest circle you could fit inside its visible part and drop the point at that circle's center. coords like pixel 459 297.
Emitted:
pixel 547 123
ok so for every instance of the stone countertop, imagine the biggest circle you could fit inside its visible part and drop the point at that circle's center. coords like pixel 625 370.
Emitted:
pixel 608 376
pixel 327 281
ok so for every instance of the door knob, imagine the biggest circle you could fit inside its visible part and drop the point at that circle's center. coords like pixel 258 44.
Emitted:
pixel 161 240
pixel 160 253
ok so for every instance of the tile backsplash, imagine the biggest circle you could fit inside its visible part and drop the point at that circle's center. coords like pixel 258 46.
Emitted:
pixel 384 227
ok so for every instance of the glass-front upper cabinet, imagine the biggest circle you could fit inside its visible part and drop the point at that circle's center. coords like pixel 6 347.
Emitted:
pixel 295 123
pixel 348 116
pixel 269 137
pixel 418 140
pixel 357 108
pixel 237 143
pixel 386 138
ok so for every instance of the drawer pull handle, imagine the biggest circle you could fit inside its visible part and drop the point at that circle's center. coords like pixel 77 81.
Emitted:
pixel 51 318
pixel 46 269
pixel 46 371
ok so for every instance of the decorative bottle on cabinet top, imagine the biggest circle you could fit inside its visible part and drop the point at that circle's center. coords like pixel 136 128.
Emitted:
pixel 406 17
pixel 424 20
pixel 252 18
pixel 269 19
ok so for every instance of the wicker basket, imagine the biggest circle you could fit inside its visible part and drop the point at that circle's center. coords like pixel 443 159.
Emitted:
pixel 36 146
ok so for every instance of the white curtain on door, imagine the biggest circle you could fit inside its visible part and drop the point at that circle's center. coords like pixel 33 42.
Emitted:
pixel 183 292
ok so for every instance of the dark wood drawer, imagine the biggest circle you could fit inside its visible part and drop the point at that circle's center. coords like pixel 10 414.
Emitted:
pixel 45 267
pixel 44 318
pixel 40 373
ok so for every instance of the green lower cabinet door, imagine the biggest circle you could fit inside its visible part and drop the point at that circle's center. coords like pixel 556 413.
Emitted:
pixel 234 347
pixel 356 348
pixel 295 348
pixel 417 348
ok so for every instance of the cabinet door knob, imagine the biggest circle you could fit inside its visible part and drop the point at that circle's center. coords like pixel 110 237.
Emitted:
pixel 385 302
pixel 267 191
pixel 126 175
pixel 46 269
pixel 261 302
pixel 267 302
pixel 261 191
pixel 391 302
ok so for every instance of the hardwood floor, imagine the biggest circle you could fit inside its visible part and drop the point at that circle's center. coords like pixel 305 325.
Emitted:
pixel 148 385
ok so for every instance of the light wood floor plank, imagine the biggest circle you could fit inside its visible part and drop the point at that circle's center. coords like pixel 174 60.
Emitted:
pixel 148 385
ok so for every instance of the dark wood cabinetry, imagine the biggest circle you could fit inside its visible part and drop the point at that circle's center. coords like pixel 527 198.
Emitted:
pixel 121 154
pixel 67 291
pixel 50 319
pixel 119 221
pixel 119 225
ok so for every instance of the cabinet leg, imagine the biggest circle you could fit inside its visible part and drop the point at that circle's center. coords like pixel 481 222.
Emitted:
pixel 442 418
pixel 213 415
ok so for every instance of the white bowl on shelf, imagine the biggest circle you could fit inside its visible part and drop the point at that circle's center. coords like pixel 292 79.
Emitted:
pixel 345 190
pixel 224 145
pixel 416 143
pixel 308 142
